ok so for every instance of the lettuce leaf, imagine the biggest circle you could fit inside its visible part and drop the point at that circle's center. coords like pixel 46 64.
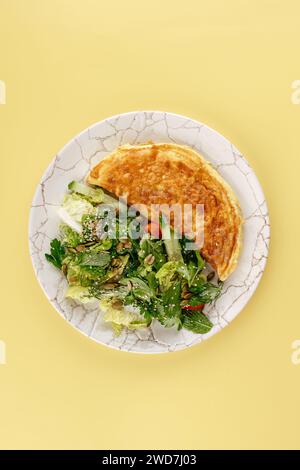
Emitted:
pixel 68 236
pixel 167 273
pixel 76 206
pixel 119 317
pixel 79 293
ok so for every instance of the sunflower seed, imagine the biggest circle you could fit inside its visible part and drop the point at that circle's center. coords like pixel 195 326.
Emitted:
pixel 119 247
pixel 127 244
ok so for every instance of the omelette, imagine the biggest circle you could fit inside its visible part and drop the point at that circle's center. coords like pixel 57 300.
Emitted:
pixel 167 173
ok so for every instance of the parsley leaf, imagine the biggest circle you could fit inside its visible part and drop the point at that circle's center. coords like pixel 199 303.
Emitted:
pixel 57 253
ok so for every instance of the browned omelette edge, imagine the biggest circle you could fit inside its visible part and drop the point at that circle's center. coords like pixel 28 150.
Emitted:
pixel 190 154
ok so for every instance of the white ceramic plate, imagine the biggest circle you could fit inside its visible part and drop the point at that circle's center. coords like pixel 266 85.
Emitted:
pixel 82 153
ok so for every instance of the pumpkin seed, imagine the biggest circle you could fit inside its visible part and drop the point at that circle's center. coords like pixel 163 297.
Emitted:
pixel 149 259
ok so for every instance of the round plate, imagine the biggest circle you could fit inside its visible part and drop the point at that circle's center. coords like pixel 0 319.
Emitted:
pixel 81 154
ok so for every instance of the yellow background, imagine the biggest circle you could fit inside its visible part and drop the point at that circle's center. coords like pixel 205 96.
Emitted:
pixel 230 64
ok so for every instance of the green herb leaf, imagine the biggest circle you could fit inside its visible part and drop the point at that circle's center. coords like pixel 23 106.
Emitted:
pixel 172 244
pixel 206 291
pixel 57 253
pixel 140 288
pixel 197 322
pixel 152 281
pixel 171 305
pixel 200 260
pixel 155 248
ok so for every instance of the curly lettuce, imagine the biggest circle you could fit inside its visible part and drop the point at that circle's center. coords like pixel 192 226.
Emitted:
pixel 119 317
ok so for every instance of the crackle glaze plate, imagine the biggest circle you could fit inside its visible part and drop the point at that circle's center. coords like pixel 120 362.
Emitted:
pixel 80 155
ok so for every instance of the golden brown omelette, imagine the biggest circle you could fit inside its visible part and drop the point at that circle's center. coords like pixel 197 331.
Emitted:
pixel 167 173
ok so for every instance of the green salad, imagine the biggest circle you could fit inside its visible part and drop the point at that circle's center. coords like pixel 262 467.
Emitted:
pixel 135 280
